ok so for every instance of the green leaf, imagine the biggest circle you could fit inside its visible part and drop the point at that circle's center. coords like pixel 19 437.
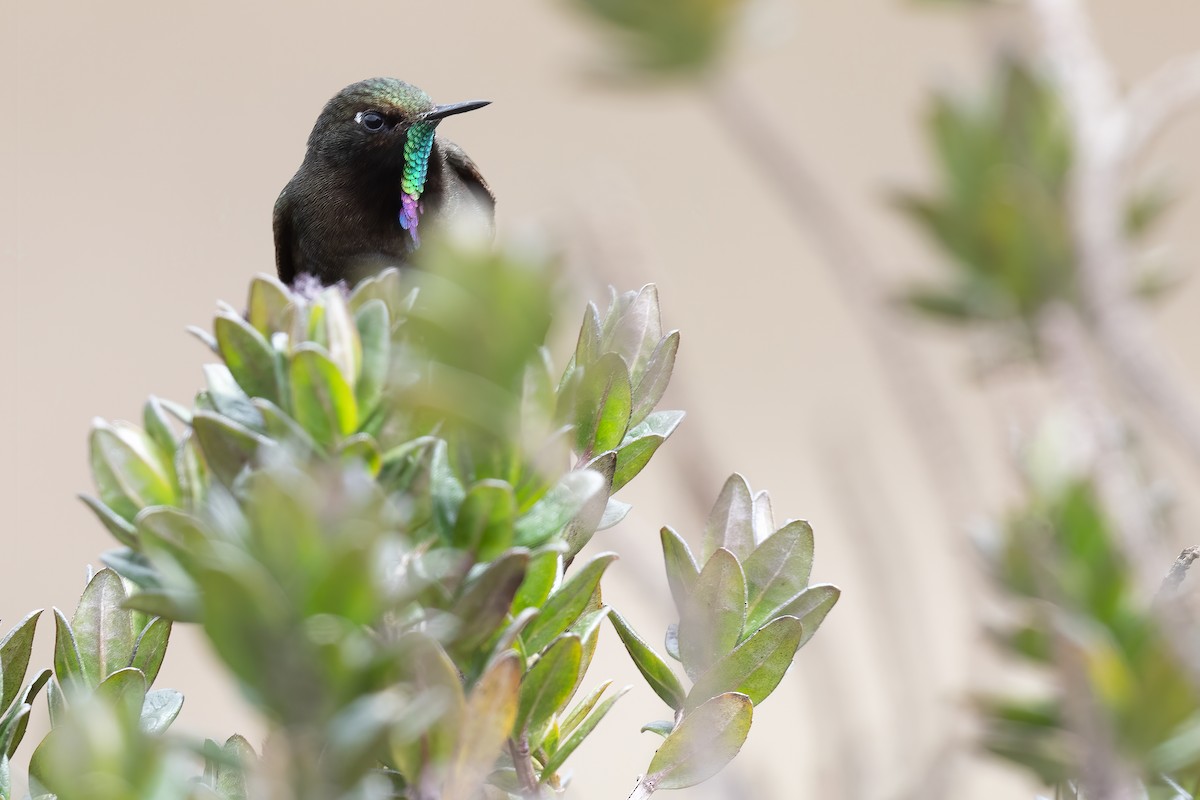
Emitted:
pixel 151 647
pixel 587 628
pixel 653 383
pixel 603 405
pixel 549 515
pixel 15 648
pixel 103 627
pixel 227 446
pixel 764 517
pixel 731 522
pixel 131 565
pixel 641 443
pixel 776 570
pixel 566 604
pixel 547 686
pixel 485 520
pixel 703 743
pixel 507 640
pixel 55 702
pixel 191 472
pixel 128 470
pixel 160 709
pixel 660 423
pixel 17 722
pixel 662 727
pixel 755 667
pixel 172 604
pixel 810 607
pixel 544 570
pixel 682 571
pixel 638 330
pixel 587 347
pixel 653 668
pixel 118 526
pixel 712 623
pixel 431 670
pixel 374 331
pixel 384 286
pixel 614 511
pixel 228 398
pixel 492 708
pixel 585 523
pixel 577 714
pixel 322 400
pixel 281 427
pixel 203 336
pixel 361 450
pixel 267 308
pixel 671 641
pixel 447 491
pixel 344 347
pixel 158 427
pixel 575 738
pixel 172 532
pixel 125 692
pixel 232 781
pixel 17 716
pixel 485 601
pixel 632 457
pixel 249 357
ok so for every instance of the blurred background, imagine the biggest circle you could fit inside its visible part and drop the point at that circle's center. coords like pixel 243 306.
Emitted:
pixel 144 144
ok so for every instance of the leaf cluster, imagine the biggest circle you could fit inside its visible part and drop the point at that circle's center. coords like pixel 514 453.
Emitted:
pixel 375 510
pixel 1077 605
pixel 1001 212
pixel 669 38
pixel 743 615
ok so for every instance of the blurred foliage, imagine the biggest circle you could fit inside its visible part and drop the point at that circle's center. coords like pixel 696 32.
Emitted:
pixel 962 3
pixel 1001 213
pixel 374 510
pixel 666 38
pixel 1081 622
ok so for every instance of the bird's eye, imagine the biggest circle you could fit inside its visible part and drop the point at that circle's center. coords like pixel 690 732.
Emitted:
pixel 371 120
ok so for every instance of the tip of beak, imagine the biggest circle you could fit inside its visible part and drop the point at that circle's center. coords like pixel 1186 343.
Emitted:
pixel 441 112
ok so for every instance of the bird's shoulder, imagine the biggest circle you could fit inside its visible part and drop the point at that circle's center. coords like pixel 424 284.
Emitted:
pixel 465 170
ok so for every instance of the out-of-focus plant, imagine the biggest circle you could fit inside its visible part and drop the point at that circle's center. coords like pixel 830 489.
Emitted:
pixel 375 510
pixel 1115 679
pixel 1001 214
pixel 671 38
pixel 1022 253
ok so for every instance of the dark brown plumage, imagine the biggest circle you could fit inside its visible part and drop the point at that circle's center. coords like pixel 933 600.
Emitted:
pixel 345 213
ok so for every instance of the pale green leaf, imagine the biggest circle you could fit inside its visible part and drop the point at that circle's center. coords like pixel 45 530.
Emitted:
pixel 702 744
pixel 712 622
pixel 777 570
pixel 755 667
pixel 652 666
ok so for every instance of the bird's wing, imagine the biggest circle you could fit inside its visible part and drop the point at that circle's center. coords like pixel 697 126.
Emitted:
pixel 466 170
pixel 285 263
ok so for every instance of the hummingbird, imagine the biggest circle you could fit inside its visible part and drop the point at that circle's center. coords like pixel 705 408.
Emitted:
pixel 375 176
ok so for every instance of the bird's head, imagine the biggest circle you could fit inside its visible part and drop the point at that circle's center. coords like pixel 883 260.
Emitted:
pixel 382 123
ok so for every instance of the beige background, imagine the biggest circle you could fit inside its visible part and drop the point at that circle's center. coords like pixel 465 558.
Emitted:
pixel 143 146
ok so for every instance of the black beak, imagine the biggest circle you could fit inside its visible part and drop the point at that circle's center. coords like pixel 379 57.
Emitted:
pixel 441 112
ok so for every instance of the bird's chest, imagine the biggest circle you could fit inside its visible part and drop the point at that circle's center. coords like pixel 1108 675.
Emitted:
pixel 363 215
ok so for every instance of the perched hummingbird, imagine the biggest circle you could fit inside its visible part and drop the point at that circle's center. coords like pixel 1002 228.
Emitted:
pixel 375 175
